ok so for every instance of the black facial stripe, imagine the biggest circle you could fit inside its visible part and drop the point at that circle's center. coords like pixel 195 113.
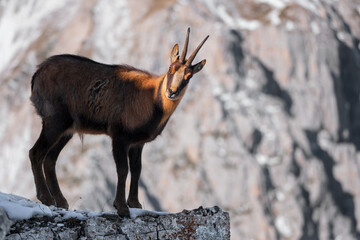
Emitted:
pixel 169 80
pixel 182 85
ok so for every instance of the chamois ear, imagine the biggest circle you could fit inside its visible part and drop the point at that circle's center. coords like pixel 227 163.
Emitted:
pixel 174 53
pixel 197 67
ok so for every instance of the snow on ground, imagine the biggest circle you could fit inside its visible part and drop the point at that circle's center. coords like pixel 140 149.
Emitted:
pixel 19 208
pixel 135 212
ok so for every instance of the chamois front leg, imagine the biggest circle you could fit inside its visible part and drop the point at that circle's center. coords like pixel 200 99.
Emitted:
pixel 120 151
pixel 135 170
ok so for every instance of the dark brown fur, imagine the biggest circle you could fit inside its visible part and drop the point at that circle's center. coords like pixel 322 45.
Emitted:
pixel 75 94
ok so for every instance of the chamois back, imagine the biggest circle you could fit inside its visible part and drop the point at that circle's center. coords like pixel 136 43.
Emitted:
pixel 91 92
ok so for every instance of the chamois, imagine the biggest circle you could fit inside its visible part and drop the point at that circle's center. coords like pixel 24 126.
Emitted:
pixel 73 94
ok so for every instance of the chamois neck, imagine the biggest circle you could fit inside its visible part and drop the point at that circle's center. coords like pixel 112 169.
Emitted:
pixel 167 104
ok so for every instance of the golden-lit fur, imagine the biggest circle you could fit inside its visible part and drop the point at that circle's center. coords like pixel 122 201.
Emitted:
pixel 142 103
pixel 140 111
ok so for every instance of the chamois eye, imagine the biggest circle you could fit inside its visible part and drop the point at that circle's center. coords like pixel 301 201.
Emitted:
pixel 172 69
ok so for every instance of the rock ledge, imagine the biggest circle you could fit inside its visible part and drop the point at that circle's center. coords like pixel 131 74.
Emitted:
pixel 201 223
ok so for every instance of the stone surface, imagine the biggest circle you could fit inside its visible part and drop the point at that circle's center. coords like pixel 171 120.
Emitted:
pixel 269 130
pixel 201 223
pixel 5 224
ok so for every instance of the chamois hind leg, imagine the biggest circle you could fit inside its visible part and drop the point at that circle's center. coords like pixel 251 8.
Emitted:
pixel 120 151
pixel 51 131
pixel 50 173
pixel 135 170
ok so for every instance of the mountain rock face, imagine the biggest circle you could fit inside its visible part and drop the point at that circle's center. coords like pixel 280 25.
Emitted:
pixel 269 130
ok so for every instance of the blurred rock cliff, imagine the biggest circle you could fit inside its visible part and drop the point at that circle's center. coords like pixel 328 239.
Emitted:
pixel 269 130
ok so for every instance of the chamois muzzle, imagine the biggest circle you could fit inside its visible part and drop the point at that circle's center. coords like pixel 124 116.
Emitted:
pixel 172 94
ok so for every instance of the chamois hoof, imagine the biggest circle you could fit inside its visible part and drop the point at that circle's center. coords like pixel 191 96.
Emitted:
pixel 62 203
pixel 134 204
pixel 123 210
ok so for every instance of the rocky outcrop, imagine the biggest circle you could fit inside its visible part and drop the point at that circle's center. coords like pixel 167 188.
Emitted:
pixel 5 224
pixel 269 130
pixel 202 223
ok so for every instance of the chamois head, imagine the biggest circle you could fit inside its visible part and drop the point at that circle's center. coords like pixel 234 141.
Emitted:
pixel 181 70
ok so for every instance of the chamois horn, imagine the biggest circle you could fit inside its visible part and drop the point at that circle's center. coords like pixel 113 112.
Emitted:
pixel 183 54
pixel 191 58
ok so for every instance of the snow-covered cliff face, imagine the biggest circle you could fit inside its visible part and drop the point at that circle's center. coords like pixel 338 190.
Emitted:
pixel 269 130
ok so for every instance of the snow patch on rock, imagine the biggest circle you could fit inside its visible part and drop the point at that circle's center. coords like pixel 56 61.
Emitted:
pixel 19 208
